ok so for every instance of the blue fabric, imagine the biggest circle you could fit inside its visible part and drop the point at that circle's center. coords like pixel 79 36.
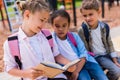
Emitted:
pixel 107 63
pixel 80 50
pixel 91 67
pixel 92 70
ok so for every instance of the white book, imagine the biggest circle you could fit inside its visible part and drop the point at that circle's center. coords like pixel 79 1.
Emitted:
pixel 52 69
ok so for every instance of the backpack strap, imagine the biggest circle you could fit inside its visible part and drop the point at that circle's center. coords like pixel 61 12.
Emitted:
pixel 107 30
pixel 14 49
pixel 72 39
pixel 48 36
pixel 86 32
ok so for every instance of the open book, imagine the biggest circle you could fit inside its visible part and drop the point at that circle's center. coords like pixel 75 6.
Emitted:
pixel 52 69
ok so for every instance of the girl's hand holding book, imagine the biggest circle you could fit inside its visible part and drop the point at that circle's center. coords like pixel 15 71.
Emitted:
pixel 33 73
pixel 71 68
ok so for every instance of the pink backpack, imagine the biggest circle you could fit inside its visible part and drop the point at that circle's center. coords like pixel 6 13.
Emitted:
pixel 14 47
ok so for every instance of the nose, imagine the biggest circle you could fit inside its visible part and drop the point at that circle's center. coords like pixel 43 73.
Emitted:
pixel 43 23
pixel 60 28
pixel 88 17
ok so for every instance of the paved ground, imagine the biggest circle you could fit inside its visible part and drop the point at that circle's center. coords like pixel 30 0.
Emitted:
pixel 5 76
pixel 115 34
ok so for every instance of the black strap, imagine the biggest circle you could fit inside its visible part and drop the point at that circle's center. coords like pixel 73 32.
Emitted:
pixel 107 30
pixel 86 32
pixel 12 38
pixel 49 37
pixel 18 61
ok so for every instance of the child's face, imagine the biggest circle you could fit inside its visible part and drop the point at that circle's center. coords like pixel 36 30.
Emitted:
pixel 61 26
pixel 36 21
pixel 91 17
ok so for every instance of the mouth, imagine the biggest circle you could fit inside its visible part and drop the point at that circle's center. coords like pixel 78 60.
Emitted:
pixel 89 21
pixel 60 33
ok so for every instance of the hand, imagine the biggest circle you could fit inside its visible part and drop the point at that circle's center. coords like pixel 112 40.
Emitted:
pixel 33 73
pixel 74 76
pixel 117 64
pixel 72 68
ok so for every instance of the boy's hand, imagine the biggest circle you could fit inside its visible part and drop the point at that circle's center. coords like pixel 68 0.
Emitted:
pixel 72 68
pixel 117 64
pixel 33 73
pixel 116 61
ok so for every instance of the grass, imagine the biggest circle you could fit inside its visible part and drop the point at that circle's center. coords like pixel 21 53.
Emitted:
pixel 77 3
pixel 10 9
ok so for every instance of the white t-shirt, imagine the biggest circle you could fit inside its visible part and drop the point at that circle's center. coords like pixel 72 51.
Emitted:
pixel 97 44
pixel 66 50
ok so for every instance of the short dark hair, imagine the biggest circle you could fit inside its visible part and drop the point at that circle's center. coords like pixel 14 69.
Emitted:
pixel 61 13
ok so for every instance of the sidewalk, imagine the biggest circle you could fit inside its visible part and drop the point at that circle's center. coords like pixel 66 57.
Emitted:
pixel 5 76
pixel 115 35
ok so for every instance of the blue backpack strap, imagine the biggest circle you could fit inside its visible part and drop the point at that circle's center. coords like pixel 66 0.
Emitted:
pixel 107 30
pixel 72 39
pixel 86 31
pixel 49 37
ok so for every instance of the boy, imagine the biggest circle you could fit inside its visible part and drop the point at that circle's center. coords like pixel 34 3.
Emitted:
pixel 99 41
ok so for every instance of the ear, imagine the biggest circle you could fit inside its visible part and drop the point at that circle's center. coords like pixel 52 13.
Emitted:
pixel 99 11
pixel 26 14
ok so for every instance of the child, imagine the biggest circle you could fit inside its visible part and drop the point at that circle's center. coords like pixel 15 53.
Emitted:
pixel 33 44
pixel 87 68
pixel 99 40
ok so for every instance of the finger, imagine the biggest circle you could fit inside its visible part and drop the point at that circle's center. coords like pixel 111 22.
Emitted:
pixel 37 73
pixel 37 69
pixel 119 65
pixel 34 74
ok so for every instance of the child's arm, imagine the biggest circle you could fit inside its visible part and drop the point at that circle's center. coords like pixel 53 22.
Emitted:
pixel 12 68
pixel 62 60
pixel 116 61
pixel 112 51
pixel 29 73
pixel 79 66
pixel 110 45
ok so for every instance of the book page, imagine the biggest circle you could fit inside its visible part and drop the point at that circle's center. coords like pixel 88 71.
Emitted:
pixel 52 64
pixel 70 64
